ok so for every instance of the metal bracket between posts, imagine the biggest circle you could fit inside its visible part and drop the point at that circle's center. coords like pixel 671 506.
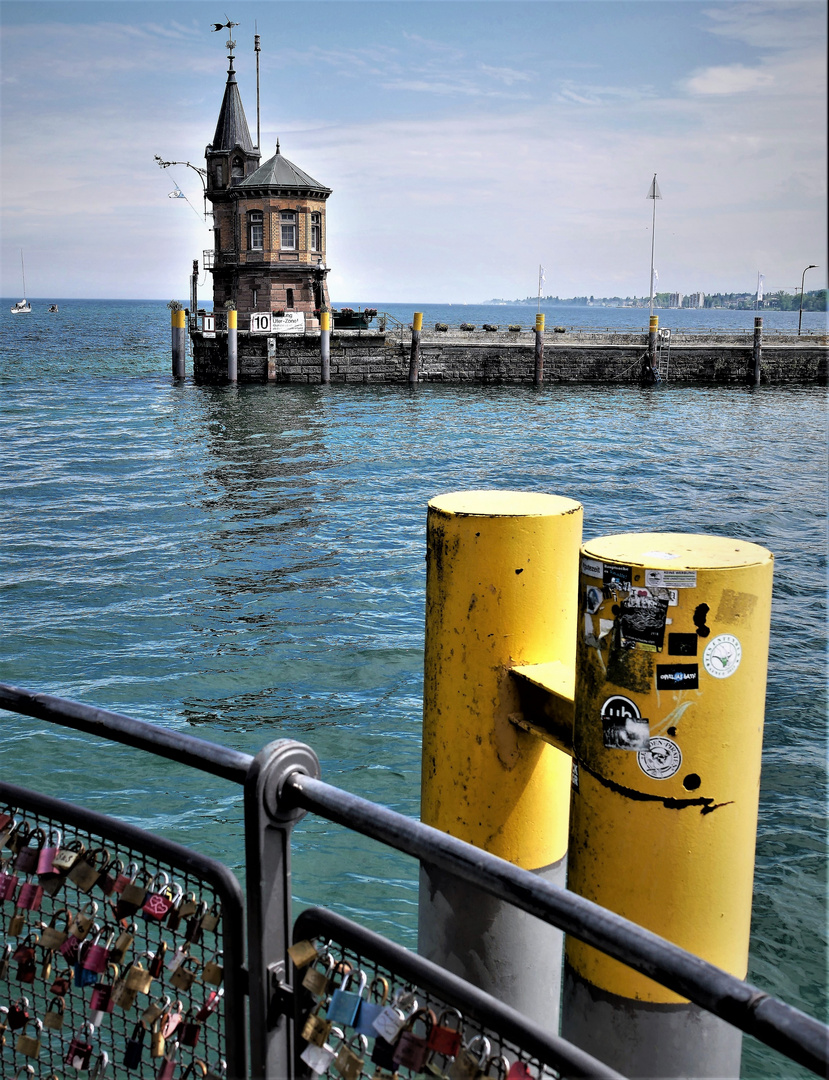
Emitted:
pixel 547 693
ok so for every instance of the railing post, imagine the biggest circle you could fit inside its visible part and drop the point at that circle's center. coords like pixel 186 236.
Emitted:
pixel 670 694
pixel 268 877
pixel 501 580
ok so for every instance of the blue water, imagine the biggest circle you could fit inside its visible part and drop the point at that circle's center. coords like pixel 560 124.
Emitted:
pixel 247 563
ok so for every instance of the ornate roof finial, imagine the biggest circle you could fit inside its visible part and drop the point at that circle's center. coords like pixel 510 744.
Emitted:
pixel 230 43
pixel 277 146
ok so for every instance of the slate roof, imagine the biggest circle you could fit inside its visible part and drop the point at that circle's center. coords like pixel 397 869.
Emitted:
pixel 279 172
pixel 232 127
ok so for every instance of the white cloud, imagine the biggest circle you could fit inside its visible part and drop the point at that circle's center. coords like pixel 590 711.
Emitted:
pixel 728 79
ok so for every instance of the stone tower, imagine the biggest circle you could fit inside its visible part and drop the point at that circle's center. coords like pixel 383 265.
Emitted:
pixel 269 223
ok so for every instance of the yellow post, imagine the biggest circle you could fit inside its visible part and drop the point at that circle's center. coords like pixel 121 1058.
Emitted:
pixel 539 349
pixel 414 360
pixel 501 582
pixel 325 347
pixel 232 346
pixel 177 322
pixel 670 692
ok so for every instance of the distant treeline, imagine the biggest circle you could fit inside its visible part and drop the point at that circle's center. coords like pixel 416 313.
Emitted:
pixel 814 300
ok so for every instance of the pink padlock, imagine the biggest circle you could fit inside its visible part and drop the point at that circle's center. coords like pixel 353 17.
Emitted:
pixel 47 855
pixel 101 1000
pixel 30 896
pixel 28 855
pixel 96 956
pixel 70 948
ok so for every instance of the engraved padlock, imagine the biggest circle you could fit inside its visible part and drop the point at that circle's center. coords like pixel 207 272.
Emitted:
pixel 8 883
pixel 29 1045
pixel 30 896
pixel 213 972
pixel 135 1046
pixel 317 981
pixel 53 1017
pixel 319 1059
pixel 53 936
pixel 26 860
pixel 80 1049
pixel 185 974
pixel 96 956
pixel 67 855
pixel 46 857
pixel 132 896
pixel 82 922
pixel 349 1062
pixel 392 1019
pixel 171 1020
pixel 87 868
pixel 470 1060
pixel 122 995
pixel 157 1040
pixel 124 877
pixel 160 897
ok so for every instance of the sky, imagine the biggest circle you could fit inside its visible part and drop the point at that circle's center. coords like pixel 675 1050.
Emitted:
pixel 466 142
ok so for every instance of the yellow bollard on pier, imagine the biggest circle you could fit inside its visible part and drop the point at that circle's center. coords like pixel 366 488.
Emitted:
pixel 501 585
pixel 325 347
pixel 538 378
pixel 670 693
pixel 232 346
pixel 414 358
pixel 177 322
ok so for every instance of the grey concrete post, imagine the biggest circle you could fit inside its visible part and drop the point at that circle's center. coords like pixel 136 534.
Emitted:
pixel 268 867
pixel 232 347
pixel 414 360
pixel 758 347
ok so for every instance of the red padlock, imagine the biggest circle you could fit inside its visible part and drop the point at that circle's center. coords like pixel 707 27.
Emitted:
pixel 160 897
pixel 96 956
pixel 8 886
pixel 79 1053
pixel 29 853
pixel 46 858
pixel 190 1030
pixel 19 1014
pixel 210 1005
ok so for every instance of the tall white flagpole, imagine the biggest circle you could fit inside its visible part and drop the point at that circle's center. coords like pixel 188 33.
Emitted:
pixel 653 193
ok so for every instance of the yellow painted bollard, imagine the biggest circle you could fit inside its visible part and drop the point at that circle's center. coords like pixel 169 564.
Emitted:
pixel 232 346
pixel 414 360
pixel 670 694
pixel 325 347
pixel 538 379
pixel 501 583
pixel 177 320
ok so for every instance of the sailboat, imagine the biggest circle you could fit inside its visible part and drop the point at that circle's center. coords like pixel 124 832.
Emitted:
pixel 22 307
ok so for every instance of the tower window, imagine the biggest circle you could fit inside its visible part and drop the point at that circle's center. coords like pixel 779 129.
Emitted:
pixel 316 232
pixel 287 219
pixel 256 230
pixel 220 175
pixel 237 170
pixel 289 298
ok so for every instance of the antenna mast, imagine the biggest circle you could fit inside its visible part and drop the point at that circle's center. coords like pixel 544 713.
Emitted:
pixel 257 50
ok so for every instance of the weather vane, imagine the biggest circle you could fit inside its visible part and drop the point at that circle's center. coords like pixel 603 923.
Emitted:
pixel 231 44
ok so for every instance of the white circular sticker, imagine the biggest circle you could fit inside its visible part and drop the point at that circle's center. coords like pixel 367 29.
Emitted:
pixel 661 759
pixel 722 656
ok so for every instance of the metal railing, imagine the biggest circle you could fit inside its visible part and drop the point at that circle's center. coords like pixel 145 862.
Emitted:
pixel 282 782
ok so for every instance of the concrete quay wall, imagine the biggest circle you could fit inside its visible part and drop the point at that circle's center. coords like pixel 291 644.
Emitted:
pixel 366 357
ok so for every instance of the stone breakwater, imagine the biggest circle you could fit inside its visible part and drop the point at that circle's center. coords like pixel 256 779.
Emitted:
pixel 479 356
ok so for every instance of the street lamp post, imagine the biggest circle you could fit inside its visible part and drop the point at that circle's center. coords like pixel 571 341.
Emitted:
pixel 811 266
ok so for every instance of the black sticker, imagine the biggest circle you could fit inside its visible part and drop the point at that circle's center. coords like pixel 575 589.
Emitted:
pixel 677 677
pixel 620 574
pixel 682 644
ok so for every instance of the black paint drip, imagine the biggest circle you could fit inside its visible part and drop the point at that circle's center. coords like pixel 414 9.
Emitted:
pixel 699 620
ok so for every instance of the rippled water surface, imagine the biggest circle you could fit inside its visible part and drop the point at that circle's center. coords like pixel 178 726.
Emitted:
pixel 247 564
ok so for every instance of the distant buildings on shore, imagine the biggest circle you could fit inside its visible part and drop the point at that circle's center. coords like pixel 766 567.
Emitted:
pixel 778 301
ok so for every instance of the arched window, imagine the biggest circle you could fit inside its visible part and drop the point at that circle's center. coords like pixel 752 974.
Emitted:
pixel 237 170
pixel 256 230
pixel 287 221
pixel 316 232
pixel 220 175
